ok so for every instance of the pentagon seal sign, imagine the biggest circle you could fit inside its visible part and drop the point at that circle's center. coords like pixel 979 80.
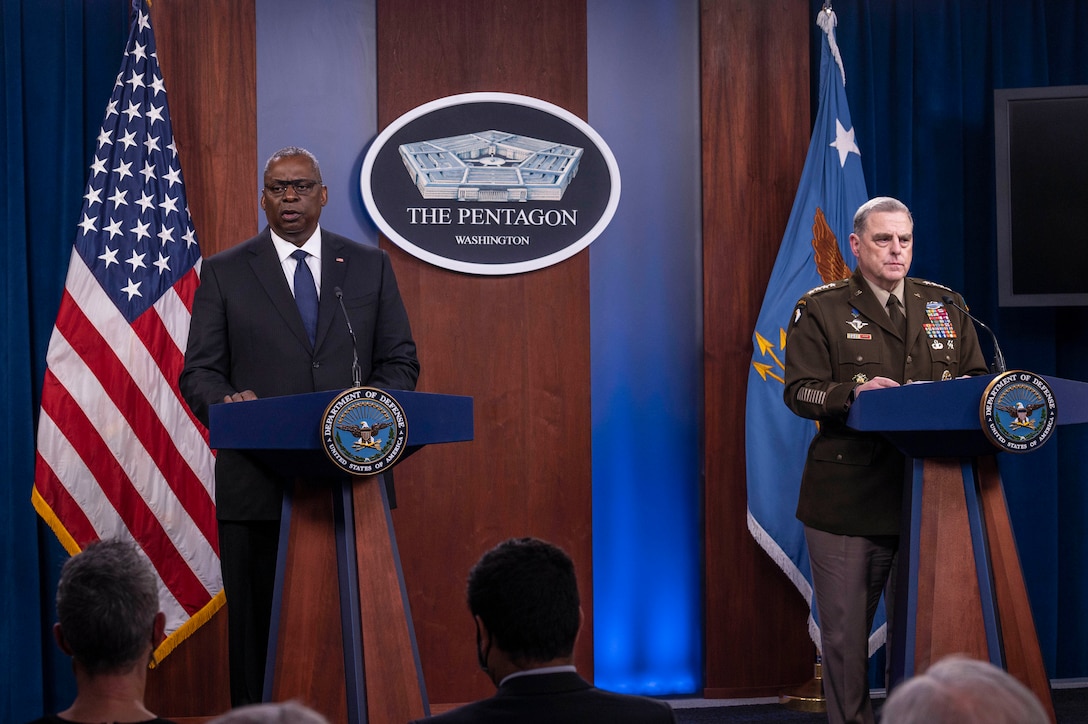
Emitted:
pixel 364 431
pixel 490 183
pixel 1018 411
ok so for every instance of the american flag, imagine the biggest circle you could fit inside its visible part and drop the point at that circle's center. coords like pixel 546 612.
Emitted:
pixel 119 453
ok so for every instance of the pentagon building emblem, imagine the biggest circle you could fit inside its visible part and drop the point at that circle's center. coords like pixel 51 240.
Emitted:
pixel 491 166
pixel 490 183
pixel 1018 412
pixel 363 431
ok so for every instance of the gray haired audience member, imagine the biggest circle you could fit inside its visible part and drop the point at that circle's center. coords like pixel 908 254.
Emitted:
pixel 960 690
pixel 109 622
pixel 286 712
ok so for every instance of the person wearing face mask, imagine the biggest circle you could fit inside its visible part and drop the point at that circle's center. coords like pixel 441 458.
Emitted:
pixel 523 596
pixel 878 328
pixel 267 321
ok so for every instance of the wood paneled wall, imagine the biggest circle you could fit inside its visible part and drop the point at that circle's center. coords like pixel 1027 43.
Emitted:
pixel 207 51
pixel 756 129
pixel 520 344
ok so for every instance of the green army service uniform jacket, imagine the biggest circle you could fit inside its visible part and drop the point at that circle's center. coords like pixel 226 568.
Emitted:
pixel 839 337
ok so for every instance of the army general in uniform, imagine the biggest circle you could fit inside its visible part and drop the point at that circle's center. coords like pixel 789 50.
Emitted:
pixel 878 328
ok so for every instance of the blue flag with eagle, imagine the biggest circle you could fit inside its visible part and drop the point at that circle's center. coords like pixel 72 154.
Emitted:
pixel 813 252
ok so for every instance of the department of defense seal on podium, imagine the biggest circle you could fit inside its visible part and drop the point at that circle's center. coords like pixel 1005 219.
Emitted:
pixel 364 431
pixel 1018 411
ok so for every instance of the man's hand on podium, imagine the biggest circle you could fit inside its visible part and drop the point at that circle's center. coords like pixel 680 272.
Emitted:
pixel 243 396
pixel 877 383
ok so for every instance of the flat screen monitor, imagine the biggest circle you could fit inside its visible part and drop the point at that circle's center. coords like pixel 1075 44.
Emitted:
pixel 1041 137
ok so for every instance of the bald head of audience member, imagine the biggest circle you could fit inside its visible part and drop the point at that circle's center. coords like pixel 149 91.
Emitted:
pixel 961 690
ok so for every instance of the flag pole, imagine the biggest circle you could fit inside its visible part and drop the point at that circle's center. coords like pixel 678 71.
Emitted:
pixel 810 695
pixel 813 252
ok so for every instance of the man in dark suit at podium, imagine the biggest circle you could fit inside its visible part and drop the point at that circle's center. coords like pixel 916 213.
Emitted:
pixel 267 322
pixel 876 329
pixel 523 596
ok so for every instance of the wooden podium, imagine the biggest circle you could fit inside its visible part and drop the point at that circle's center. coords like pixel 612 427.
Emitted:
pixel 342 639
pixel 960 588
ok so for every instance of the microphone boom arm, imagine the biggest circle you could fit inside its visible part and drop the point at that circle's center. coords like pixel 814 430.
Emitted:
pixel 356 371
pixel 999 365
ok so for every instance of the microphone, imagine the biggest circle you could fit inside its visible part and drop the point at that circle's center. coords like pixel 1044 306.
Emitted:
pixel 999 359
pixel 356 372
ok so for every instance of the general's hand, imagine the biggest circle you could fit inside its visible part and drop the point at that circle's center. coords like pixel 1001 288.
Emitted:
pixel 243 396
pixel 877 383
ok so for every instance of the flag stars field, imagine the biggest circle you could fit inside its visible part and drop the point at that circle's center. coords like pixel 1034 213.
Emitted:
pixel 135 139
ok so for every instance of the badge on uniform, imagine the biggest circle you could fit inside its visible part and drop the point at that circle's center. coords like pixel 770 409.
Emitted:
pixel 858 325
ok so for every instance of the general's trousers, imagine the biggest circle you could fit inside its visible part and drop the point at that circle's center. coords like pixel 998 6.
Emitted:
pixel 848 575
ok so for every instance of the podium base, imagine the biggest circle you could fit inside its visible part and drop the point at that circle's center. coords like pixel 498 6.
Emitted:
pixel 809 696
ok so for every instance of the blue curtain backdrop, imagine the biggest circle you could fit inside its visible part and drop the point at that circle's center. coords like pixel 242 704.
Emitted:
pixel 60 58
pixel 920 78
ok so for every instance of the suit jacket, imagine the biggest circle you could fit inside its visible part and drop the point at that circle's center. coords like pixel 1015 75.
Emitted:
pixel 558 698
pixel 839 337
pixel 246 334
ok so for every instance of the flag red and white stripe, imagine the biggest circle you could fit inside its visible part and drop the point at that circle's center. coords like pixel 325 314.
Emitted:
pixel 119 453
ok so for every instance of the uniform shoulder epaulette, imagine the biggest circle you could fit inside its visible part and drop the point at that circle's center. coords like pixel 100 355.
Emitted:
pixel 828 286
pixel 927 283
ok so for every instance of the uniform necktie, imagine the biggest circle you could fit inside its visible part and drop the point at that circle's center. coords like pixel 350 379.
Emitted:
pixel 305 293
pixel 895 313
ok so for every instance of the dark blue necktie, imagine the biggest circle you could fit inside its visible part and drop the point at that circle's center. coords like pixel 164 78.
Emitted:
pixel 305 294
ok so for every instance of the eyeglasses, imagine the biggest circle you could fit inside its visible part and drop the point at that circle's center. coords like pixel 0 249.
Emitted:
pixel 302 186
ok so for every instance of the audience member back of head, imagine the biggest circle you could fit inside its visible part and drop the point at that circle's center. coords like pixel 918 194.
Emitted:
pixel 286 712
pixel 523 597
pixel 109 622
pixel 960 690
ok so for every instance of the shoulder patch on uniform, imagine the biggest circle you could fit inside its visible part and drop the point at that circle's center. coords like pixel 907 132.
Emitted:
pixel 799 310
